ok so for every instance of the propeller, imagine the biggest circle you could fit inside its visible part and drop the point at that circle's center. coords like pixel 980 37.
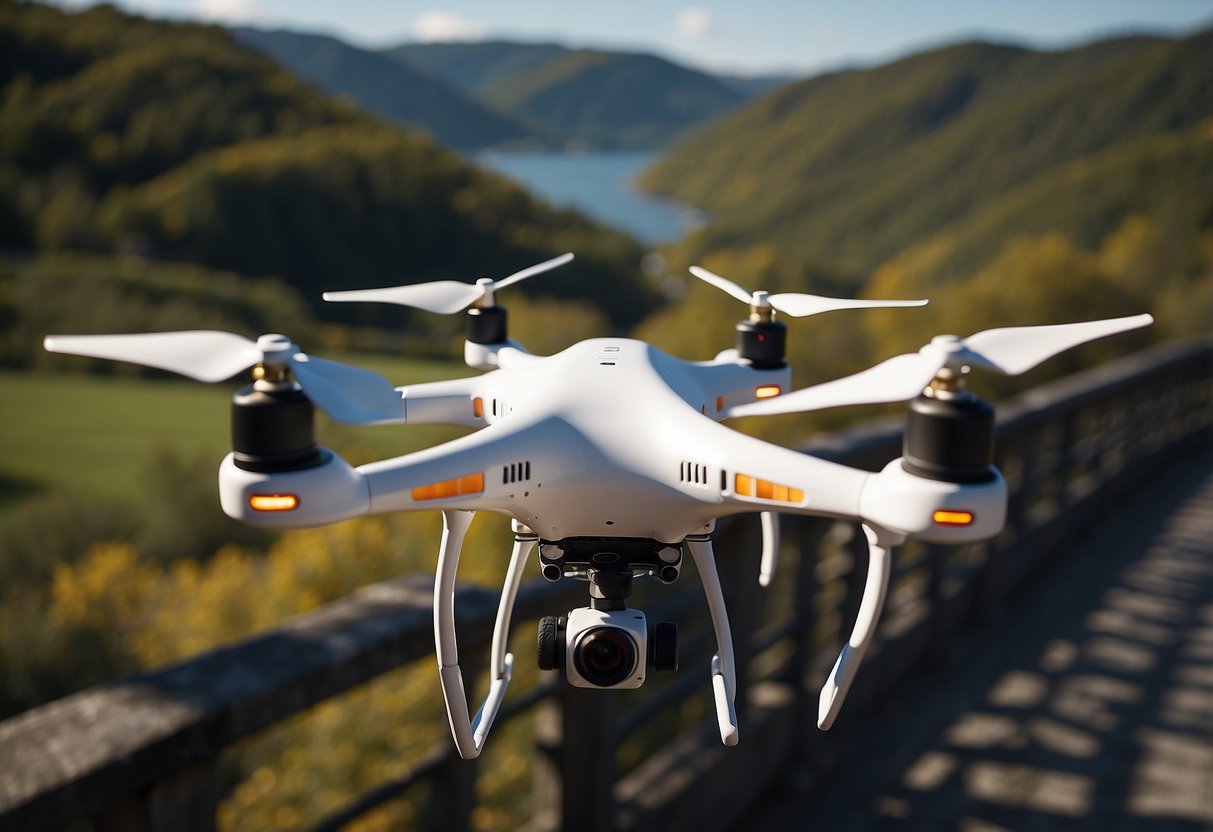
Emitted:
pixel 348 394
pixel 1009 350
pixel 446 297
pixel 796 304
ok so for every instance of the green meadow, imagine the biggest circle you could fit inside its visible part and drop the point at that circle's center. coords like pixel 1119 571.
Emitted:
pixel 99 434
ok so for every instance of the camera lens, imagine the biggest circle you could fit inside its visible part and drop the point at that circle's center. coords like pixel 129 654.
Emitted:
pixel 605 656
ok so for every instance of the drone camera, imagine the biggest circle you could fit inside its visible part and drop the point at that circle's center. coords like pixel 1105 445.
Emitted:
pixel 606 649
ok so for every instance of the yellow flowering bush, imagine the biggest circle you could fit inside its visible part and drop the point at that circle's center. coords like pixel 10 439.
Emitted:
pixel 316 763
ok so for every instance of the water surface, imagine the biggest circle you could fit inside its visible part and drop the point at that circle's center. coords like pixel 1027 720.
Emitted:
pixel 598 184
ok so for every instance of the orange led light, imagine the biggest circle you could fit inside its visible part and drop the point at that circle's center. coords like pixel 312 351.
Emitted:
pixel 767 391
pixel 719 403
pixel 478 407
pixel 747 486
pixel 953 518
pixel 273 502
pixel 458 487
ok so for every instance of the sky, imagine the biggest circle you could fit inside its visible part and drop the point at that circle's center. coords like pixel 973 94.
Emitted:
pixel 751 37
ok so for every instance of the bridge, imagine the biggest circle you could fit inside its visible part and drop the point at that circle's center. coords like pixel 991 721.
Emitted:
pixel 1058 676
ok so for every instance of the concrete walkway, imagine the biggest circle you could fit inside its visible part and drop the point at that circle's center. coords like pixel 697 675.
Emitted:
pixel 1092 709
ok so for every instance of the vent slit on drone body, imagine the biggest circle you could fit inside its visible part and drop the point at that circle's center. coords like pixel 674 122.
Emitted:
pixel 693 472
pixel 516 472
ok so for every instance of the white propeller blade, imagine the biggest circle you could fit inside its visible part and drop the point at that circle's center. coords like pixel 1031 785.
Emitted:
pixel 799 305
pixel 348 394
pixel 539 268
pixel 445 297
pixel 894 380
pixel 796 304
pixel 1015 350
pixel 1010 350
pixel 203 355
pixel 723 284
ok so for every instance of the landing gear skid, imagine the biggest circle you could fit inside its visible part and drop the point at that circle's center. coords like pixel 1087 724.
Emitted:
pixel 470 733
pixel 724 667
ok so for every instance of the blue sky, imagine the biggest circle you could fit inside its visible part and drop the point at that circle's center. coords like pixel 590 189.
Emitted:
pixel 754 36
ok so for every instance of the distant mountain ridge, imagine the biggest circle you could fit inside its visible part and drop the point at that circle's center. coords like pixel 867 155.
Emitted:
pixel 473 66
pixel 508 95
pixel 853 167
pixel 585 97
pixel 612 99
pixel 588 97
pixel 387 87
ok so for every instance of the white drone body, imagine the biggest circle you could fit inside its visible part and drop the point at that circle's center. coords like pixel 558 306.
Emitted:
pixel 610 456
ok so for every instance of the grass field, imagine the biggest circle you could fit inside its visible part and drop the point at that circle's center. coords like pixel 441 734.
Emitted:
pixel 99 433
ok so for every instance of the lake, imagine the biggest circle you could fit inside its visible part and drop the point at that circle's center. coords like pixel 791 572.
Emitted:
pixel 599 185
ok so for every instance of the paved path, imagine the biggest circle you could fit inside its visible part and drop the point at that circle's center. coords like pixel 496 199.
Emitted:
pixel 1092 709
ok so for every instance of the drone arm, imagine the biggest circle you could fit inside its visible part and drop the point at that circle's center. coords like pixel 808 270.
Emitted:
pixel 470 733
pixel 724 668
pixel 880 545
pixel 313 496
pixel 458 401
pixel 495 356
pixel 727 382
pixel 461 475
pixel 757 476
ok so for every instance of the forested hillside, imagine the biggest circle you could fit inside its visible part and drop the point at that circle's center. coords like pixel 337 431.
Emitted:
pixel 124 135
pixel 1008 186
pixel 855 167
pixel 583 96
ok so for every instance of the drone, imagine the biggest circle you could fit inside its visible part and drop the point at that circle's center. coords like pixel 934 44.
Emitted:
pixel 612 460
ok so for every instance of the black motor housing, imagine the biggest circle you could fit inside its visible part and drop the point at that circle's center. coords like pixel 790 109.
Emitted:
pixel 762 343
pixel 950 439
pixel 487 325
pixel 274 430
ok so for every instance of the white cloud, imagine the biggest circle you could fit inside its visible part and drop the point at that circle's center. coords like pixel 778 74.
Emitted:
pixel 693 22
pixel 442 25
pixel 228 11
